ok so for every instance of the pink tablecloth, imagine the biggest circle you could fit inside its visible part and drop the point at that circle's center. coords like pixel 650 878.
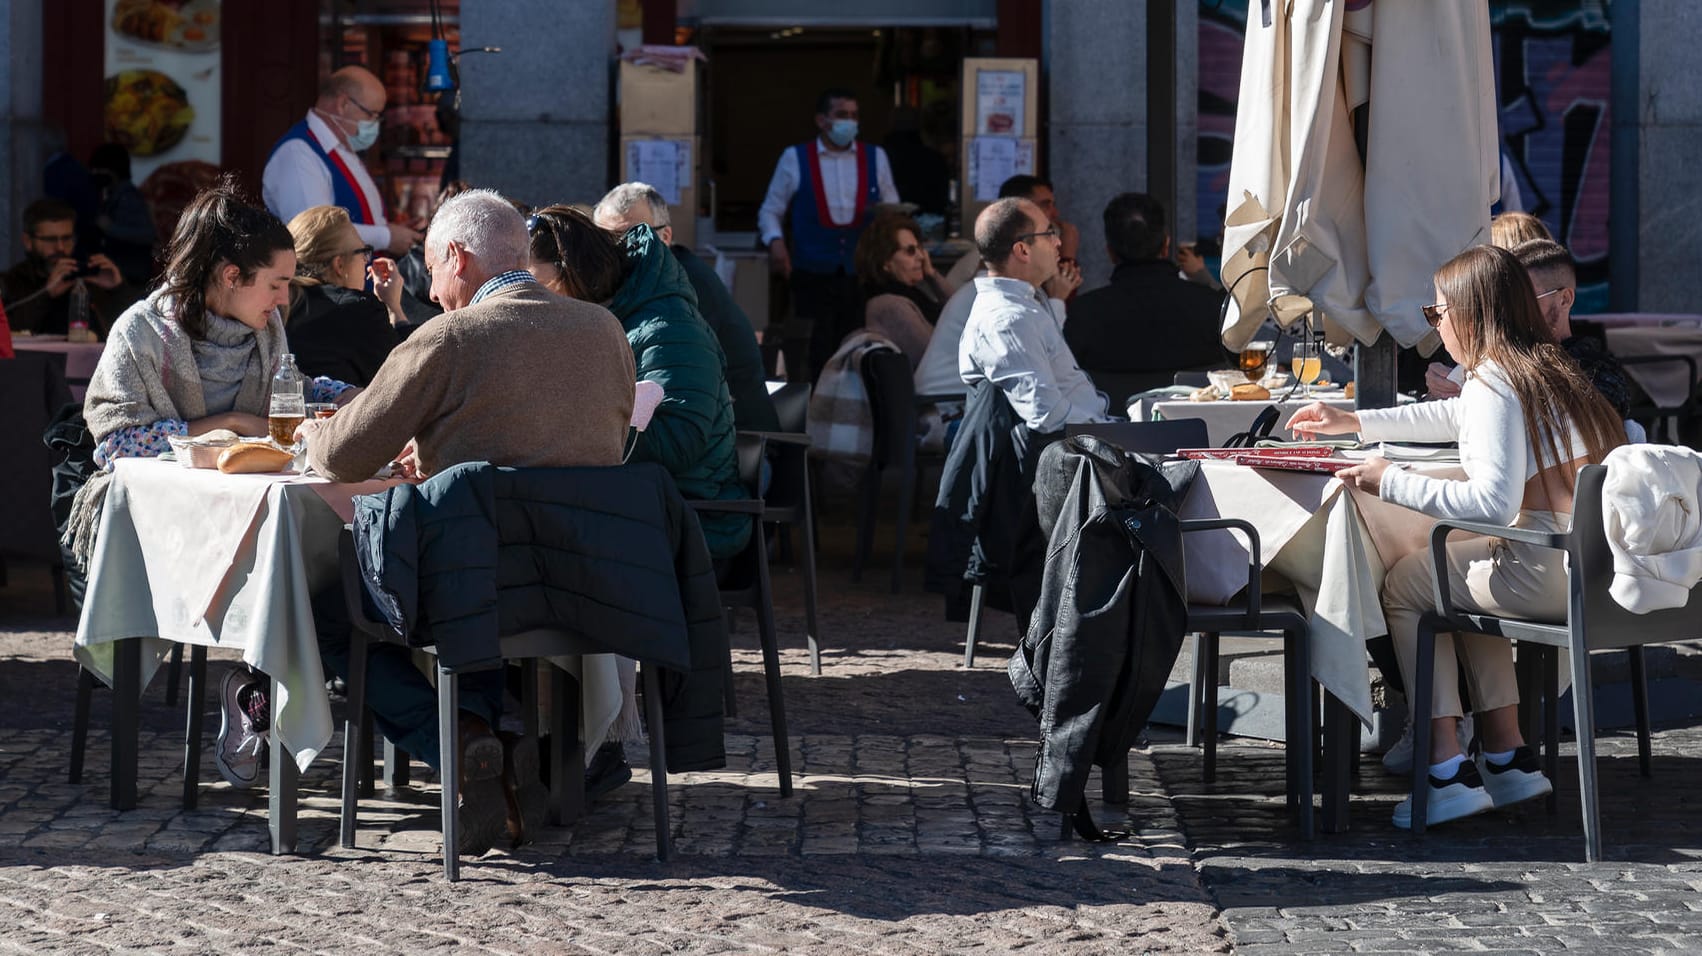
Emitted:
pixel 80 357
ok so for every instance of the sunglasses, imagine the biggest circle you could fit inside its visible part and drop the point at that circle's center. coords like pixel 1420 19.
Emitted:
pixel 1434 313
pixel 910 250
pixel 362 251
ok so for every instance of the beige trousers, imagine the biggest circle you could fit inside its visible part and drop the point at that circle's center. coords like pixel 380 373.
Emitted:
pixel 1485 576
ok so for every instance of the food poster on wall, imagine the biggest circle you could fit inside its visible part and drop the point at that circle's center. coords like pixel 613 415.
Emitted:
pixel 162 81
pixel 1000 102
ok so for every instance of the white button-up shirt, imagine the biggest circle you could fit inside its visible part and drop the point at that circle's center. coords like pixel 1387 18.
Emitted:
pixel 838 179
pixel 1015 342
pixel 297 179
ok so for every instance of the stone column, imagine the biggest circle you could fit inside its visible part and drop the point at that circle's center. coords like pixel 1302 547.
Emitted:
pixel 536 118
pixel 1657 134
pixel 20 118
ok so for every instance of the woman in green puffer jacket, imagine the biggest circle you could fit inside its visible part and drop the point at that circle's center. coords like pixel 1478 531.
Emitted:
pixel 637 278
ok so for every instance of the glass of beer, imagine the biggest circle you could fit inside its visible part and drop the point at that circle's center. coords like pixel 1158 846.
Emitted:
pixel 282 427
pixel 1255 356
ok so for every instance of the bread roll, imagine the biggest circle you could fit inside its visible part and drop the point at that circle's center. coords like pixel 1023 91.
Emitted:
pixel 254 458
pixel 1347 390
pixel 1249 392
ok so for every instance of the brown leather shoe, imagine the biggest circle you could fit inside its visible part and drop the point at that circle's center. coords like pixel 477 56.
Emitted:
pixel 523 788
pixel 482 799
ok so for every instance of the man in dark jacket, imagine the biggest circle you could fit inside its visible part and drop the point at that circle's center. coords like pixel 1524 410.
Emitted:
pixel 1149 322
pixel 632 204
pixel 36 290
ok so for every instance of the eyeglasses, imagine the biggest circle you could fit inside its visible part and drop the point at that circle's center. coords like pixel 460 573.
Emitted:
pixel 910 250
pixel 1544 295
pixel 1053 232
pixel 65 240
pixel 373 114
pixel 1434 313
pixel 363 251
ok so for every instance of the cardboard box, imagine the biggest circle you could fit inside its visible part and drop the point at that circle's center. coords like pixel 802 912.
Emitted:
pixel 688 151
pixel 658 101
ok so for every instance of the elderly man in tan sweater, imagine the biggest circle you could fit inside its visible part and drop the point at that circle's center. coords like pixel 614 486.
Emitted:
pixel 511 374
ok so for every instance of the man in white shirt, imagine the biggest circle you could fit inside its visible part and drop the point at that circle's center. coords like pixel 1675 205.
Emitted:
pixel 1011 339
pixel 824 192
pixel 316 163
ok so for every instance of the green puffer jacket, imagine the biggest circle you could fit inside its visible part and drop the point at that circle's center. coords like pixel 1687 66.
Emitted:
pixel 692 432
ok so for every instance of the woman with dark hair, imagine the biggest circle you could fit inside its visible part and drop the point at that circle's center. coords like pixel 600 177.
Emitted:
pixel 336 327
pixel 902 292
pixel 1527 419
pixel 198 354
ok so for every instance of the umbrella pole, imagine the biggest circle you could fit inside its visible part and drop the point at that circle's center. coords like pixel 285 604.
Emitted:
pixel 1374 373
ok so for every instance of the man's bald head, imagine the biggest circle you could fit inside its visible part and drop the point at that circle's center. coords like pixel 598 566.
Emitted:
pixel 349 97
pixel 1017 240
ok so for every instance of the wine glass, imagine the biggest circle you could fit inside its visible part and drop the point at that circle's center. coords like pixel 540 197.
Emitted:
pixel 1307 361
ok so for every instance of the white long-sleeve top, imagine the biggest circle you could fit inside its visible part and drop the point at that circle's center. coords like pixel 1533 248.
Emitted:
pixel 1495 450
pixel 296 179
pixel 839 182
pixel 1015 342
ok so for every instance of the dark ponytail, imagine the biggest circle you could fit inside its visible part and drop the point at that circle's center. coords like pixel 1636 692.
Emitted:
pixel 590 259
pixel 216 229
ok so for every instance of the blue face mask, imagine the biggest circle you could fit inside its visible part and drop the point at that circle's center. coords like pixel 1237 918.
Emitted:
pixel 842 132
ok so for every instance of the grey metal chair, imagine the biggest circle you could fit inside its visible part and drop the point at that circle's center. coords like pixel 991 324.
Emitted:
pixel 894 406
pixel 1594 622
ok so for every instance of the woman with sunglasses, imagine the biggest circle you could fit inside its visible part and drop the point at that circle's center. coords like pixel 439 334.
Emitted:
pixel 1526 421
pixel 337 328
pixel 902 292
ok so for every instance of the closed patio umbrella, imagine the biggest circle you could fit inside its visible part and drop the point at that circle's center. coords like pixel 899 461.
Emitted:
pixel 1358 166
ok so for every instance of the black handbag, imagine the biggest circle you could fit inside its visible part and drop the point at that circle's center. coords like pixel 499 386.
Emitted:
pixel 1261 429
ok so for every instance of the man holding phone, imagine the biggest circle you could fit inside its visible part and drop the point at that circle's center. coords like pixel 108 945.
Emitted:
pixel 35 290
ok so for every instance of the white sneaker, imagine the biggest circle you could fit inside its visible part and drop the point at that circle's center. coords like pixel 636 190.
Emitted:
pixel 241 743
pixel 1398 759
pixel 1461 795
pixel 1515 781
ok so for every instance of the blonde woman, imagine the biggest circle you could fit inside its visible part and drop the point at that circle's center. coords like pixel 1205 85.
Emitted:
pixel 336 327
pixel 1527 419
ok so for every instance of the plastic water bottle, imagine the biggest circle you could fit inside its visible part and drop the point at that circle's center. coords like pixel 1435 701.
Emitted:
pixel 77 329
pixel 289 401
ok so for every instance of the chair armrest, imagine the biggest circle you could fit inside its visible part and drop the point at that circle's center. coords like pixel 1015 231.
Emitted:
pixel 779 438
pixel 1255 561
pixel 742 506
pixel 1439 550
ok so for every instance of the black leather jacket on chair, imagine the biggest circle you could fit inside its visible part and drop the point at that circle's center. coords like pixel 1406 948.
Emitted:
pixel 1112 609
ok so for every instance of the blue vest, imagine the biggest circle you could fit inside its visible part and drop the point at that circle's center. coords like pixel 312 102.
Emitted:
pixel 817 244
pixel 344 191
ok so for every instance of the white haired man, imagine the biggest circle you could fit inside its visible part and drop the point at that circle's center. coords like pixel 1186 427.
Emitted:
pixel 630 204
pixel 511 374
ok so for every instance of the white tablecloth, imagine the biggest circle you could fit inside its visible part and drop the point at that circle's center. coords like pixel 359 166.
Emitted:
pixel 1332 543
pixel 1224 419
pixel 1668 383
pixel 199 557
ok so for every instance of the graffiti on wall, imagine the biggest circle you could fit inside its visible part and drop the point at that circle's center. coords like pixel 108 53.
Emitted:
pixel 1553 77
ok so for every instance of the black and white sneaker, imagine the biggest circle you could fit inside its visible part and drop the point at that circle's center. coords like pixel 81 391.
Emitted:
pixel 1515 781
pixel 1458 796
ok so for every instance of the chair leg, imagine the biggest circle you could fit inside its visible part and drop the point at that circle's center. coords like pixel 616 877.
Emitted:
pixel 173 674
pixel 80 723
pixel 974 627
pixel 357 740
pixel 1341 734
pixel 867 503
pixel 567 751
pixel 658 762
pixel 1584 717
pixel 281 786
pixel 771 671
pixel 807 526
pixel 1208 708
pixel 1419 703
pixel 396 766
pixel 1195 694
pixel 368 774
pixel 1551 722
pixel 126 721
pixel 729 692
pixel 449 761
pixel 1300 714
pixel 192 725
pixel 1640 703
pixel 906 492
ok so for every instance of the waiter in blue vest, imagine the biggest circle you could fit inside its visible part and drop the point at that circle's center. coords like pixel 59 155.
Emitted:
pixel 823 193
pixel 316 162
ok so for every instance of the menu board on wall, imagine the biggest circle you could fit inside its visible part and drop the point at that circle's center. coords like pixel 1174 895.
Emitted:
pixel 162 81
pixel 1001 102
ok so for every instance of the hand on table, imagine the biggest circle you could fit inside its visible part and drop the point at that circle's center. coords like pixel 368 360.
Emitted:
pixel 306 430
pixel 1320 419
pixel 1437 384
pixel 248 426
pixel 1366 477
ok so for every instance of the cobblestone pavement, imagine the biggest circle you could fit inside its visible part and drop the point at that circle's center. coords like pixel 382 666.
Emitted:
pixel 909 832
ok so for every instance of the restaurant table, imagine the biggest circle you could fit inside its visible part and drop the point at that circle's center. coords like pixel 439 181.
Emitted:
pixel 1620 319
pixel 200 557
pixel 1667 383
pixel 1225 419
pixel 81 358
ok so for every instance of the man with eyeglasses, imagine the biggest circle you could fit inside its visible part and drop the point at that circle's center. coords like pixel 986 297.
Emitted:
pixel 35 290
pixel 1011 339
pixel 1554 280
pixel 317 161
